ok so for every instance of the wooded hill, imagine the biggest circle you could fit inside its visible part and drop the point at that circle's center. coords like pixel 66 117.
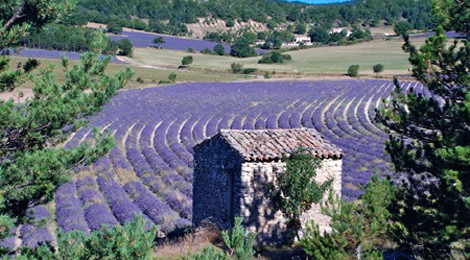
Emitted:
pixel 171 16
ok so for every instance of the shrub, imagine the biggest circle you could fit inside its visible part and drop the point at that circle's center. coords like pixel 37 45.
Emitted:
pixel 131 241
pixel 357 228
pixel 275 57
pixel 296 189
pixel 172 77
pixel 206 51
pixel 219 49
pixel 353 70
pixel 249 70
pixel 191 50
pixel 236 67
pixel 239 244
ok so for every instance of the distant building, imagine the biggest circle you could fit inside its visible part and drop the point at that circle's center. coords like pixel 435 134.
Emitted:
pixel 233 170
pixel 303 39
pixel 339 30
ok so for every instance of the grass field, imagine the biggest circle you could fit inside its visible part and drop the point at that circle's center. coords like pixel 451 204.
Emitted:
pixel 322 60
pixel 150 76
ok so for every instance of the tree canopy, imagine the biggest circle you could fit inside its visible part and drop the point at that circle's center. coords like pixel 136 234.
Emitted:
pixel 31 162
pixel 430 140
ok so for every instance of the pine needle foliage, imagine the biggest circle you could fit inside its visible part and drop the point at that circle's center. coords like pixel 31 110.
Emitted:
pixel 239 245
pixel 430 141
pixel 130 241
pixel 357 227
pixel 32 162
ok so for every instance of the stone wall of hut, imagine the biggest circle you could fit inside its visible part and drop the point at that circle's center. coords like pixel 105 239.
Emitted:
pixel 253 203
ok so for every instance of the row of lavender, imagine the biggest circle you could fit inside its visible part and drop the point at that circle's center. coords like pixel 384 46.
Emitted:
pixel 143 40
pixel 150 170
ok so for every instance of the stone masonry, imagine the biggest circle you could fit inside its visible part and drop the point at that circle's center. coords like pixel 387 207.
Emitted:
pixel 233 170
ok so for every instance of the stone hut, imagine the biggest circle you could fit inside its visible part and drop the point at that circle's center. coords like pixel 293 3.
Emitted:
pixel 234 167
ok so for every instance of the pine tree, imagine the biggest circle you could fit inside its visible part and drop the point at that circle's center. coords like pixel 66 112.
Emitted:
pixel 430 140
pixel 31 163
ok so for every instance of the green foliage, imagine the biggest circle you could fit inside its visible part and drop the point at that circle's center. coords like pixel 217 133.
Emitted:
pixel 172 77
pixel 63 37
pixel 114 27
pixel 186 61
pixel 318 34
pixel 249 70
pixel 300 28
pixel 378 68
pixel 191 50
pixel 402 28
pixel 358 34
pixel 158 40
pixel 229 23
pixel 18 18
pixel 242 49
pixel 236 67
pixel 275 57
pixel 131 241
pixel 430 141
pixel 31 165
pixel 206 51
pixel 125 47
pixel 357 226
pixel 267 75
pixel 210 253
pixel 353 70
pixel 239 243
pixel 219 49
pixel 296 190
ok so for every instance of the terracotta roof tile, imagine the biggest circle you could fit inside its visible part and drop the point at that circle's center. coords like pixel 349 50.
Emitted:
pixel 272 144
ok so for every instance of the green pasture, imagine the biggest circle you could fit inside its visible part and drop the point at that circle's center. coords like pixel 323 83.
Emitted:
pixel 147 76
pixel 320 60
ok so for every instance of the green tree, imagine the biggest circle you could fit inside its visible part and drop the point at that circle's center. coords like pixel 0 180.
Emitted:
pixel 353 70
pixel 241 48
pixel 295 190
pixel 300 28
pixel 430 141
pixel 219 49
pixel 172 77
pixel 31 166
pixel 357 226
pixel 125 47
pixel 186 61
pixel 114 27
pixel 378 68
pixel 318 34
pixel 402 28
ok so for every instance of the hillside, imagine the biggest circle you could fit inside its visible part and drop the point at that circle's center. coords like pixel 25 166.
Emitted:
pixel 173 17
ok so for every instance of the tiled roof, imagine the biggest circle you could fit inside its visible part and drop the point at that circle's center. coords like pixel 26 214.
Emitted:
pixel 271 144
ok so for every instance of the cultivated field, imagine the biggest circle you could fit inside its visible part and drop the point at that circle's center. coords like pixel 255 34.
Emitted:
pixel 149 172
pixel 321 60
pixel 150 76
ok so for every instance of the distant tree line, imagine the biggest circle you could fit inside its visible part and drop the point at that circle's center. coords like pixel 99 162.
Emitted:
pixel 72 38
pixel 171 17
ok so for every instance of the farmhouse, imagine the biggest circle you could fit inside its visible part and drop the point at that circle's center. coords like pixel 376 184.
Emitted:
pixel 233 170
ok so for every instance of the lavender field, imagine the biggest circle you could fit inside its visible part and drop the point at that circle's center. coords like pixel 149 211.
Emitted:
pixel 149 172
pixel 143 40
pixel 52 54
